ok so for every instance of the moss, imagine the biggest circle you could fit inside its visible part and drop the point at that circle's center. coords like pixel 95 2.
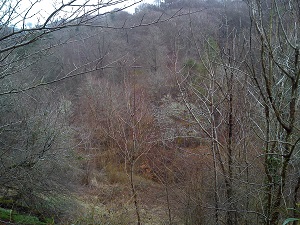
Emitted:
pixel 5 214
pixel 15 217
pixel 23 219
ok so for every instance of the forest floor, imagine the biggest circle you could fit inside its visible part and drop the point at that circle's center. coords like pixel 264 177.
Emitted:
pixel 107 202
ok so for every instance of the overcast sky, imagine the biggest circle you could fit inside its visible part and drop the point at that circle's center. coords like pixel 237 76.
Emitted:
pixel 45 7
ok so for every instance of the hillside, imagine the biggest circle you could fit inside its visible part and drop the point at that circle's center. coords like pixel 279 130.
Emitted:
pixel 184 112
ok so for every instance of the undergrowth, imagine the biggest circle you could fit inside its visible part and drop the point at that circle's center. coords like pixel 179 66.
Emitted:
pixel 10 215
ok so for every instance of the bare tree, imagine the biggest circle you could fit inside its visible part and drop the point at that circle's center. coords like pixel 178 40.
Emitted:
pixel 133 133
pixel 35 135
pixel 214 89
pixel 35 141
pixel 274 68
pixel 17 38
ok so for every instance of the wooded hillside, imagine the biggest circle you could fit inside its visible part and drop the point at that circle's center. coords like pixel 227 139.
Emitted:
pixel 184 112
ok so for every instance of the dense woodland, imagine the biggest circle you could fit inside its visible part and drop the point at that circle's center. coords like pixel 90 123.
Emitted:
pixel 184 112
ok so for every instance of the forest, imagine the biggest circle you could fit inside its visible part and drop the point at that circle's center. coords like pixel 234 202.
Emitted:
pixel 185 112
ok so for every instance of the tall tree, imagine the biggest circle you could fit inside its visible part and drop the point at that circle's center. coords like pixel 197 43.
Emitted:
pixel 274 67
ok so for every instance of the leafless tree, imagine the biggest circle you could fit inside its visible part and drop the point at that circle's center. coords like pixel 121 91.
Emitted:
pixel 17 37
pixel 36 145
pixel 35 135
pixel 274 68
